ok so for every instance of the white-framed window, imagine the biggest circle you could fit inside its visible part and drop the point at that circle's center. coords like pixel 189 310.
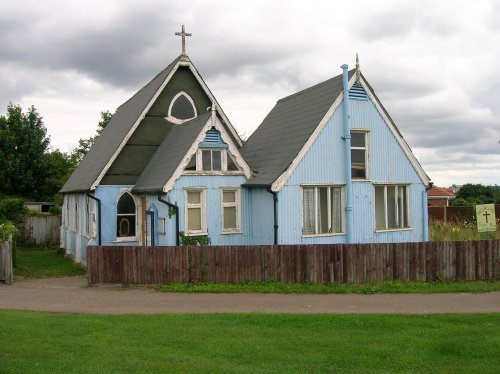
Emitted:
pixel 322 210
pixel 392 207
pixel 161 226
pixel 181 109
pixel 212 160
pixel 195 216
pixel 126 217
pixel 230 210
pixel 76 220
pixel 359 154
pixel 86 216
pixel 66 216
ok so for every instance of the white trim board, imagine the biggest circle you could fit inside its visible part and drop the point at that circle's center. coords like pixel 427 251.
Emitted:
pixel 182 62
pixel 283 178
pixel 211 122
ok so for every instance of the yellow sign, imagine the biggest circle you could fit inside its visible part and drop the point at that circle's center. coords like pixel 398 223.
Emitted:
pixel 485 215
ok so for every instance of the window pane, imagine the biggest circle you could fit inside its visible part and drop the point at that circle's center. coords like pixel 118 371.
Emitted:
pixel 125 226
pixel 403 216
pixel 216 160
pixel 126 204
pixel 194 219
pixel 182 108
pixel 379 208
pixel 230 218
pixel 308 211
pixel 229 196
pixel 192 163
pixel 358 166
pixel 194 197
pixel 231 165
pixel 358 139
pixel 391 207
pixel 323 210
pixel 206 160
pixel 336 209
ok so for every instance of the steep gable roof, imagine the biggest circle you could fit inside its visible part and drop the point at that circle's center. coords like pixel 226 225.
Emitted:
pixel 170 154
pixel 285 130
pixel 113 134
pixel 128 116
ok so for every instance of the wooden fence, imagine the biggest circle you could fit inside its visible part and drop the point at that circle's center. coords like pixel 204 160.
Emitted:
pixel 429 261
pixel 455 213
pixel 41 230
pixel 6 273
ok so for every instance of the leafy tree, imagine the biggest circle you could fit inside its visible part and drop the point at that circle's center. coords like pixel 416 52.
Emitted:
pixel 85 144
pixel 59 167
pixel 472 194
pixel 23 144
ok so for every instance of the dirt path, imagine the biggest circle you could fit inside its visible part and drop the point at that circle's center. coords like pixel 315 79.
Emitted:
pixel 72 295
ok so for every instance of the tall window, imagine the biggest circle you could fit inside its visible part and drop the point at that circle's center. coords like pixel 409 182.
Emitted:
pixel 195 221
pixel 321 210
pixel 66 218
pixel 359 154
pixel 125 216
pixel 87 215
pixel 230 207
pixel 76 220
pixel 391 207
pixel 181 108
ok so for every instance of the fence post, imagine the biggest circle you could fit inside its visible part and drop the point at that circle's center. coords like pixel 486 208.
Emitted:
pixel 6 273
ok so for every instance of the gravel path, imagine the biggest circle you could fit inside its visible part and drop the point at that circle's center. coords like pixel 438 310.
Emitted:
pixel 73 295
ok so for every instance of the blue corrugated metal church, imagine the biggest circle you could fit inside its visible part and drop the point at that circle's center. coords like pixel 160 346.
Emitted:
pixel 327 165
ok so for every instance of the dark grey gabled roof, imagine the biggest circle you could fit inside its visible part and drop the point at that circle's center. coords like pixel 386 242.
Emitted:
pixel 113 135
pixel 169 155
pixel 285 130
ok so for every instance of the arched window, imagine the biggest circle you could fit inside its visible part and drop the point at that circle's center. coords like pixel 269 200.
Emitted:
pixel 181 108
pixel 125 216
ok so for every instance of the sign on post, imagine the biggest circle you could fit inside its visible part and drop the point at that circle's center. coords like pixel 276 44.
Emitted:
pixel 485 215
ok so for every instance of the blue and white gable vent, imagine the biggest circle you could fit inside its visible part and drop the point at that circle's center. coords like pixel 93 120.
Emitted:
pixel 213 139
pixel 357 92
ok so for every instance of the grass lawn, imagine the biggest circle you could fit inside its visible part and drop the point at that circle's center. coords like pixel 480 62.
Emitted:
pixel 41 262
pixel 387 287
pixel 32 342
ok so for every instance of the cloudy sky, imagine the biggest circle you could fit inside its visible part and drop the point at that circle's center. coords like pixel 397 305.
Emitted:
pixel 434 64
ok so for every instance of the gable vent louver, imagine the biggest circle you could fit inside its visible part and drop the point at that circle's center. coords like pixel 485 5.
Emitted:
pixel 212 137
pixel 357 92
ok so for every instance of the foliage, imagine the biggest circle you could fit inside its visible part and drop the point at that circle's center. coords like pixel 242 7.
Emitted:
pixel 248 343
pixel 7 229
pixel 12 209
pixel 471 194
pixel 84 145
pixel 59 167
pixel 440 231
pixel 23 143
pixel 198 240
pixel 394 287
pixel 41 262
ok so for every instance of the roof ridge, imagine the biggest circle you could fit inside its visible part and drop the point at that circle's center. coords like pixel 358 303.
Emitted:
pixel 305 90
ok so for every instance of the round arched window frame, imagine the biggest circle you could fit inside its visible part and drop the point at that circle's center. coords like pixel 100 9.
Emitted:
pixel 177 120
pixel 126 217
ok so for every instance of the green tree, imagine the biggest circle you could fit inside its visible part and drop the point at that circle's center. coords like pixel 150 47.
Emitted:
pixel 85 144
pixel 59 167
pixel 23 144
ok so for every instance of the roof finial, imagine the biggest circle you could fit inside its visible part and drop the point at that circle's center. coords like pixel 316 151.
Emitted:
pixel 357 68
pixel 213 113
pixel 183 34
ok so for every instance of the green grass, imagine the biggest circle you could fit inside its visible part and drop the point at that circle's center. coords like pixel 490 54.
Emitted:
pixel 311 288
pixel 42 262
pixel 248 343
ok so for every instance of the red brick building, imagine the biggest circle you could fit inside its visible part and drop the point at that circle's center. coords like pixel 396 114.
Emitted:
pixel 439 196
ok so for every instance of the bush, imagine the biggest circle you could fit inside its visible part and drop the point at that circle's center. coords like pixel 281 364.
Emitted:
pixel 7 229
pixel 12 209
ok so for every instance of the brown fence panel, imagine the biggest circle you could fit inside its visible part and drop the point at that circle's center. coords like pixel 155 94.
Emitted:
pixel 341 263
pixel 455 213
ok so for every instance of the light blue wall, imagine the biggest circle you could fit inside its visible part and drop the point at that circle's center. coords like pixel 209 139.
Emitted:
pixel 109 194
pixel 212 184
pixel 323 164
pixel 74 239
pixel 262 216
